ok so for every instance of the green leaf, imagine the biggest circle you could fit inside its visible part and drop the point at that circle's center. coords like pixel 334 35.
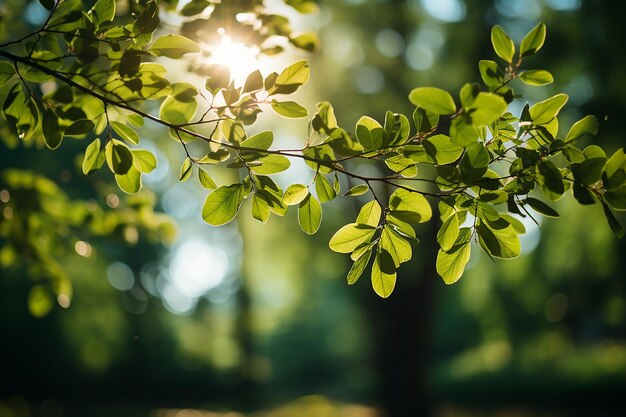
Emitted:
pixel 309 215
pixel 118 157
pixel 370 213
pixel 358 267
pixel 425 121
pixel 462 132
pixel 357 190
pixel 180 107
pixel 362 249
pixel 614 171
pixel 536 77
pixel 296 74
pixel 486 108
pixel 491 74
pixel 550 179
pixel 185 170
pixel 79 128
pixel 616 198
pixel 260 208
pixel 125 132
pixel 448 232
pixel 383 274
pixel 323 188
pixel 518 226
pixel 233 131
pixel 143 160
pixel 346 239
pixel 173 46
pixel 104 11
pixel 206 181
pixel 306 41
pixel 502 44
pixel 289 109
pixel 222 205
pixel 451 263
pixel 369 133
pixel 39 301
pixel 93 159
pixel 588 124
pixel 295 193
pixel 410 206
pixel 52 132
pixel 254 82
pixel 214 157
pixel 271 164
pixel 396 245
pixel 261 140
pixel 589 171
pixel 130 182
pixel 614 224
pixel 194 7
pixel 441 150
pixel 499 239
pixel 475 162
pixel 541 207
pixel 533 41
pixel 402 165
pixel 433 99
pixel 7 71
pixel 546 110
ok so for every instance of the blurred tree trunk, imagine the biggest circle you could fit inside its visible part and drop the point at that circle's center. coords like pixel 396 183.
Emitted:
pixel 401 332
pixel 401 323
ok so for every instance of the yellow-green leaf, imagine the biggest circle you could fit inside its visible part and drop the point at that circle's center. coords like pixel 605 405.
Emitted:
pixel 173 46
pixel 346 239
pixel 383 274
pixel 451 263
pixel 222 205
pixel 295 193
pixel 433 99
pixel 309 215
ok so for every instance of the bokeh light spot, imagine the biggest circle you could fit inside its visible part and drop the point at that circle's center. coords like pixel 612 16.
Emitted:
pixel 120 276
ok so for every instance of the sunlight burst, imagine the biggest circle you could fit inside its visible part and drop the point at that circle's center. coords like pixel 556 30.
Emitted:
pixel 241 59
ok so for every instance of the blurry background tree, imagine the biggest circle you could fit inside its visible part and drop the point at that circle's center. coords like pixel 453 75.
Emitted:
pixel 273 321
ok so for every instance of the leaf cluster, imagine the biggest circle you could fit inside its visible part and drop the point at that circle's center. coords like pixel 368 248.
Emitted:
pixel 492 167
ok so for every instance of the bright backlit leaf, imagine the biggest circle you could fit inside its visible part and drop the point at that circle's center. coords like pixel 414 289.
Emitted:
pixel 451 263
pixel 433 99
pixel 143 160
pixel 499 239
pixel 546 110
pixel 309 215
pixel 370 213
pixel 295 193
pixel 173 46
pixel 296 74
pixel 448 232
pixel 206 180
pixel 358 267
pixel 533 41
pixel 125 132
pixel 502 44
pixel 289 109
pixel 410 206
pixel 222 205
pixel 383 274
pixel 536 77
pixel 346 239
